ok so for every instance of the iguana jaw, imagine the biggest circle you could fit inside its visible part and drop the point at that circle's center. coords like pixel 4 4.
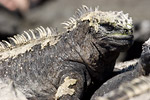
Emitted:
pixel 123 36
pixel 121 42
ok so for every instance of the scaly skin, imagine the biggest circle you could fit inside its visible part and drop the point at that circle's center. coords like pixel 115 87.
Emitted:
pixel 46 65
pixel 136 89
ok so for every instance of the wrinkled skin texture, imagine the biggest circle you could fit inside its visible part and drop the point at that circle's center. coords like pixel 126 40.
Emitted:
pixel 130 90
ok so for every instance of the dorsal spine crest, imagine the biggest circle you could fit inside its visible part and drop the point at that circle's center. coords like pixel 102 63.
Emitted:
pixel 27 36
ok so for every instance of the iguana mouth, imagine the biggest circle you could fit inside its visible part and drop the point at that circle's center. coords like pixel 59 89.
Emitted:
pixel 121 41
pixel 124 35
pixel 121 37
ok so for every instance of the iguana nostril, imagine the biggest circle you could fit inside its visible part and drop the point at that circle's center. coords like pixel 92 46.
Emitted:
pixel 126 31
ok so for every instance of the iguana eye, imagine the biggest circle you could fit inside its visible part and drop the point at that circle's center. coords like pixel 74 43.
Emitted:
pixel 107 27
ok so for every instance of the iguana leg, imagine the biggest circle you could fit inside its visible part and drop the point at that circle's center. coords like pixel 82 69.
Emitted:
pixel 73 83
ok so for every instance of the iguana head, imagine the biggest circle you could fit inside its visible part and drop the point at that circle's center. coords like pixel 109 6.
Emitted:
pixel 110 29
pixel 99 37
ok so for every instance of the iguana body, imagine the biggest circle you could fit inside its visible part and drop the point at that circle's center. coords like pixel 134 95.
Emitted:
pixel 139 68
pixel 46 65
pixel 137 89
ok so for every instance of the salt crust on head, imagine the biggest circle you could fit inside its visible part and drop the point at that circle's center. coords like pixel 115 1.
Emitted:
pixel 97 17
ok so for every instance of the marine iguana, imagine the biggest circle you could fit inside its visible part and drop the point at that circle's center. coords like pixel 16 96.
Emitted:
pixel 133 69
pixel 46 64
pixel 137 89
